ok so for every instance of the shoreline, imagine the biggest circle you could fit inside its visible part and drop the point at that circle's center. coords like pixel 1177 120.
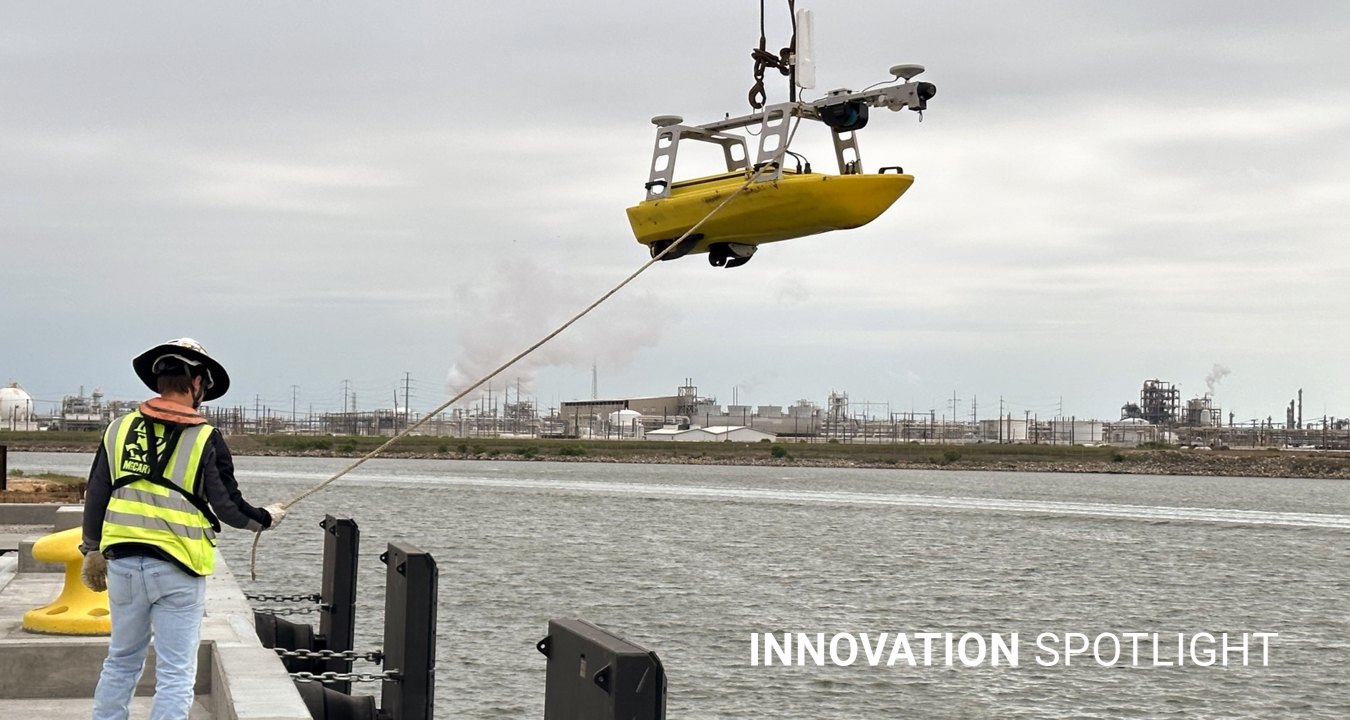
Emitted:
pixel 1147 462
pixel 23 490
pixel 1163 460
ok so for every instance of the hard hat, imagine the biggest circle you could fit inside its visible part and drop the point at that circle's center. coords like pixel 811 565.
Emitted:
pixel 152 363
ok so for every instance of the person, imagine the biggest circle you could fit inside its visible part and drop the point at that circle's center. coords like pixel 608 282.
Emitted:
pixel 161 483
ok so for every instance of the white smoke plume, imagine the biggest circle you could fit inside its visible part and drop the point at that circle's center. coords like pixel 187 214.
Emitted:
pixel 1216 374
pixel 509 309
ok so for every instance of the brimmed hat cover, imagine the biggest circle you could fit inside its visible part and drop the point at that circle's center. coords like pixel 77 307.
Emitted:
pixel 190 352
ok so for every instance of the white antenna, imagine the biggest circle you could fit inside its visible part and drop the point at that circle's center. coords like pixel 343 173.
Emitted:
pixel 805 61
pixel 906 71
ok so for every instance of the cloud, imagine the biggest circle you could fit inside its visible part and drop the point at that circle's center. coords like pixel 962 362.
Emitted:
pixel 515 303
pixel 1216 374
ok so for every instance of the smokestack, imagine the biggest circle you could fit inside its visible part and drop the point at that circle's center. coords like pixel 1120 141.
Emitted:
pixel 1300 408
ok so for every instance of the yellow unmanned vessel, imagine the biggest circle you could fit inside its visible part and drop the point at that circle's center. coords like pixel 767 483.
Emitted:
pixel 772 201
pixel 795 205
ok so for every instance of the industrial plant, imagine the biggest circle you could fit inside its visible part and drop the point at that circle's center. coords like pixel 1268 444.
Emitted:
pixel 1158 416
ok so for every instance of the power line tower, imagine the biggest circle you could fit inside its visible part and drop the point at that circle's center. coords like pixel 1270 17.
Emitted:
pixel 407 391
pixel 956 415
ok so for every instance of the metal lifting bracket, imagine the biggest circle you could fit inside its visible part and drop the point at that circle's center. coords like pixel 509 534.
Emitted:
pixel 775 131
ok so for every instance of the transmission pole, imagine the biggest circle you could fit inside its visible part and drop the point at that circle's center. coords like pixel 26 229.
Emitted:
pixel 407 383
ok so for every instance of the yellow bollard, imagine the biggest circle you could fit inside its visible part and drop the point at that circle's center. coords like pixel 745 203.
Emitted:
pixel 78 610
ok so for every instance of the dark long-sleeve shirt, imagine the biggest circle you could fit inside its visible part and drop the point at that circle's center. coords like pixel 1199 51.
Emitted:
pixel 217 481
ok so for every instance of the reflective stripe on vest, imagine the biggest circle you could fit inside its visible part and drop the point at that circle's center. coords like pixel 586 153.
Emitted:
pixel 148 513
pixel 151 523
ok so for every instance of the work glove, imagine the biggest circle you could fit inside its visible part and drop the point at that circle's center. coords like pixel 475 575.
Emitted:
pixel 277 512
pixel 94 571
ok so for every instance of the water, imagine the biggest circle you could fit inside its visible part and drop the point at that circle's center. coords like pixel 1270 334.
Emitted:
pixel 690 560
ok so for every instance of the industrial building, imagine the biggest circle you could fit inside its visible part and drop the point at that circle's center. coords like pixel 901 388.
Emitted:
pixel 1159 404
pixel 687 409
pixel 20 412
pixel 716 433
pixel 90 413
pixel 1131 432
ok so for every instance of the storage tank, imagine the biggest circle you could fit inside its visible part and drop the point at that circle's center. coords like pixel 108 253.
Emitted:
pixel 1200 412
pixel 16 407
pixel 628 423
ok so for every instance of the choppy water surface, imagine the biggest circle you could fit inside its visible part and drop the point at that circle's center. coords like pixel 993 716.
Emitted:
pixel 689 561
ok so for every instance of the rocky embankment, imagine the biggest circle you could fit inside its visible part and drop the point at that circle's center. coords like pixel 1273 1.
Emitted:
pixel 1238 463
pixel 1158 461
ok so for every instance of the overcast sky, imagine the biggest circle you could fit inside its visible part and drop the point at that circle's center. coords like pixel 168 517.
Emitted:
pixel 1105 192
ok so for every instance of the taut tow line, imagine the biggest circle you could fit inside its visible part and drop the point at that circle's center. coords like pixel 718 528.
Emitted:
pixel 764 167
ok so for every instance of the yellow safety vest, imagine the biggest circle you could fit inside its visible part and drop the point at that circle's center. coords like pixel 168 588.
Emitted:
pixel 156 499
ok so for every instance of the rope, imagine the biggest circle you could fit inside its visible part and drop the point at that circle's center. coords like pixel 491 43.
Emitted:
pixel 253 554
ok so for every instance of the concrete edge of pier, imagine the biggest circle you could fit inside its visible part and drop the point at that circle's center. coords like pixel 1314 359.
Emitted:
pixel 237 678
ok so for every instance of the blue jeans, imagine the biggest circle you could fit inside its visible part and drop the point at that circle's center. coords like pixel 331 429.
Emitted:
pixel 148 594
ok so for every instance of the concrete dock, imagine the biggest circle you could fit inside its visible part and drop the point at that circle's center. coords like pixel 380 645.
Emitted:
pixel 53 676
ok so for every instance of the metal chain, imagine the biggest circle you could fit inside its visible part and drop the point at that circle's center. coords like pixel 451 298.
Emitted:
pixel 374 656
pixel 264 597
pixel 306 677
pixel 287 611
